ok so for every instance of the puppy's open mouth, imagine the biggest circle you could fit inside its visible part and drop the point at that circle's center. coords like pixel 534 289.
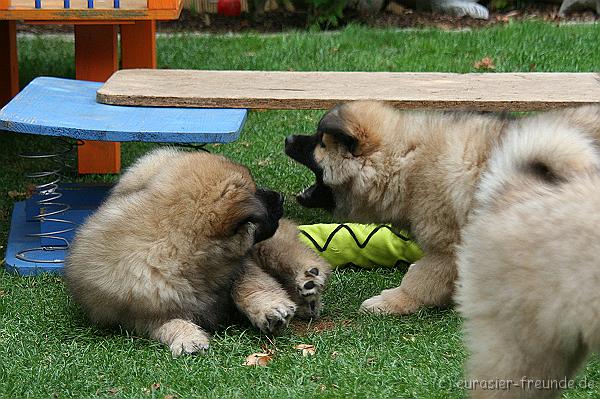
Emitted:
pixel 301 149
pixel 317 195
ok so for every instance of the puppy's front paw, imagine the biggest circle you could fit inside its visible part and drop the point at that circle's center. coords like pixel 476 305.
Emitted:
pixel 391 301
pixel 182 337
pixel 310 285
pixel 196 342
pixel 272 317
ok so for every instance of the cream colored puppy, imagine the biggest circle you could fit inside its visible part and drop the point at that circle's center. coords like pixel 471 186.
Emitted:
pixel 183 243
pixel 529 271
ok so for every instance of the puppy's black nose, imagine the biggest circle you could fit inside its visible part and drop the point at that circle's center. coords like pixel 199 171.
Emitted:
pixel 289 141
pixel 281 199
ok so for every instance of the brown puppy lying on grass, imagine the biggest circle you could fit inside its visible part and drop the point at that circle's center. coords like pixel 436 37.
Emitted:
pixel 183 240
pixel 416 170
pixel 529 268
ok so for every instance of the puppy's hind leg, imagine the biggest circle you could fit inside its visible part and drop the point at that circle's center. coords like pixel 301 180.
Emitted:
pixel 509 359
pixel 428 282
pixel 182 336
pixel 262 300
pixel 299 269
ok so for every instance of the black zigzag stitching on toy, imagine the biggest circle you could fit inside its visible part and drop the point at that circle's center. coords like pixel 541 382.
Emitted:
pixel 352 234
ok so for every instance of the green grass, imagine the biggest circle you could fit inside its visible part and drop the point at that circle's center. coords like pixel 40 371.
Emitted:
pixel 48 349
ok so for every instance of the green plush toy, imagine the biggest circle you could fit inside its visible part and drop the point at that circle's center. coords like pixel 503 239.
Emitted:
pixel 364 245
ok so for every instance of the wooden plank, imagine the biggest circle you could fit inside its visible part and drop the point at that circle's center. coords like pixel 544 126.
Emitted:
pixel 9 66
pixel 322 90
pixel 96 58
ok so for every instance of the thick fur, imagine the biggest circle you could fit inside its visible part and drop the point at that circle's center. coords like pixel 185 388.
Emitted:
pixel 416 170
pixel 528 263
pixel 171 253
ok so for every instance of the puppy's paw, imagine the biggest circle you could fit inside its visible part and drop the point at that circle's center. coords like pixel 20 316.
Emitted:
pixel 272 317
pixel 391 302
pixel 182 337
pixel 194 343
pixel 310 284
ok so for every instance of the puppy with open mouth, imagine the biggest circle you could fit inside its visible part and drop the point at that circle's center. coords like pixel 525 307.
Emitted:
pixel 415 170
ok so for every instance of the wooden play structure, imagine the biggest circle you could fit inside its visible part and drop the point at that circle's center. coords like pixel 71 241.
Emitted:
pixel 160 106
pixel 43 225
pixel 97 23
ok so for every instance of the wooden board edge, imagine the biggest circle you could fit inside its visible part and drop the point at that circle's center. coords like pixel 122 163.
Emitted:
pixel 90 15
pixel 292 104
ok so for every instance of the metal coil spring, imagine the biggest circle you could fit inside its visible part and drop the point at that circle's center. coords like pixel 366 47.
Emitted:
pixel 50 208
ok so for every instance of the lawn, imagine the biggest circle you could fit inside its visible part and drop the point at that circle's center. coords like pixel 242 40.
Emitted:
pixel 47 349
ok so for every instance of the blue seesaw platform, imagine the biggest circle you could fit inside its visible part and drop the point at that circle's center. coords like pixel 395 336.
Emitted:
pixel 68 108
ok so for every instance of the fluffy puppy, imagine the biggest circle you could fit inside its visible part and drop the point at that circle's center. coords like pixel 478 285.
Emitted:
pixel 171 253
pixel 416 170
pixel 528 263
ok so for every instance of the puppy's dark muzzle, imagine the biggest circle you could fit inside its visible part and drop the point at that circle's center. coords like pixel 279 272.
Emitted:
pixel 301 149
pixel 273 205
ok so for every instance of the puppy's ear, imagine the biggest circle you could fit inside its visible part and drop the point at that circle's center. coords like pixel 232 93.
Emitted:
pixel 240 211
pixel 237 206
pixel 334 125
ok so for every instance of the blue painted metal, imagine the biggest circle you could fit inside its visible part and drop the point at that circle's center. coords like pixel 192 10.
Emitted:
pixel 83 198
pixel 68 108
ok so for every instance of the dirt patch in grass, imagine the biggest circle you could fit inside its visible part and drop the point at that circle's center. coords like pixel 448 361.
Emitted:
pixel 303 327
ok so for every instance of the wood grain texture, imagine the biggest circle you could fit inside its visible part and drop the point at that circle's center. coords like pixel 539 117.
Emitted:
pixel 322 90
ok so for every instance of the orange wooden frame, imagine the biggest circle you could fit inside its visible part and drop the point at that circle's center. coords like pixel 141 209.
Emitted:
pixel 96 56
pixel 157 10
